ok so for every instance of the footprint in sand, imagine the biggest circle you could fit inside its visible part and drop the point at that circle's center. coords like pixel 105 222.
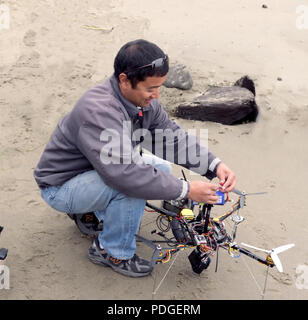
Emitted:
pixel 283 278
pixel 29 38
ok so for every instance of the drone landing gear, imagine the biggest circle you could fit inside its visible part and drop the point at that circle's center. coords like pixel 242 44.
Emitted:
pixel 151 244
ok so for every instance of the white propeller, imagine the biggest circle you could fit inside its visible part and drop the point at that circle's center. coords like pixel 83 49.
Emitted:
pixel 243 194
pixel 256 248
pixel 284 248
pixel 273 253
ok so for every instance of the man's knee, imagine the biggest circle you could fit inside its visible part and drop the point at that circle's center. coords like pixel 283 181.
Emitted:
pixel 164 166
pixel 157 162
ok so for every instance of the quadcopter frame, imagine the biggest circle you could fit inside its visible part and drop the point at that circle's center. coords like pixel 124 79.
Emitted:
pixel 202 233
pixel 197 240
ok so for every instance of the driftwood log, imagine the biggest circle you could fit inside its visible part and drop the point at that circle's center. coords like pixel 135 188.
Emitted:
pixel 227 105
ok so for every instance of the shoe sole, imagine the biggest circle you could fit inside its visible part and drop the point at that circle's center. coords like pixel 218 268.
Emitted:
pixel 93 259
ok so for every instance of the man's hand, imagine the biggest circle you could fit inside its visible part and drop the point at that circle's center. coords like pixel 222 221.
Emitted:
pixel 201 191
pixel 226 178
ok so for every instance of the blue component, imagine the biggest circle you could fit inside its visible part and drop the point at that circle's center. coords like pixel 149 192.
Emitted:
pixel 221 198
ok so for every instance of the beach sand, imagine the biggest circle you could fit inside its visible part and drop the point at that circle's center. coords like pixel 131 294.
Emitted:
pixel 54 51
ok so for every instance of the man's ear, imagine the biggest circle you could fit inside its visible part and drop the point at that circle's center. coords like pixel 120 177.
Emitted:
pixel 124 81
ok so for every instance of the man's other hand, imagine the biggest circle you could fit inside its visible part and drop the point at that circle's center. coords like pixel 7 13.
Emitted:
pixel 226 178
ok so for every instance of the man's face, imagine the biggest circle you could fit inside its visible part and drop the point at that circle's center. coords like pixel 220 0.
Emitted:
pixel 144 92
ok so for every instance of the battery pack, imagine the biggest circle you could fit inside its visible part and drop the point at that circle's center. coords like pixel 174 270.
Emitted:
pixel 221 198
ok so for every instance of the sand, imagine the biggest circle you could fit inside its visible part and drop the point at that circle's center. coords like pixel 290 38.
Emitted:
pixel 54 51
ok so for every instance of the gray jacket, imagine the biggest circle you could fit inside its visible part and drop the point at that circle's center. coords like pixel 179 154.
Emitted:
pixel 79 143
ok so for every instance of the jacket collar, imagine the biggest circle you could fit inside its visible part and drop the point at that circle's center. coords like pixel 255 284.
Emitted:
pixel 131 109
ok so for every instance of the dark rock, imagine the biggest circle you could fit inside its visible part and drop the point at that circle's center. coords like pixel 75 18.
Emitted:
pixel 227 105
pixel 264 6
pixel 246 82
pixel 178 77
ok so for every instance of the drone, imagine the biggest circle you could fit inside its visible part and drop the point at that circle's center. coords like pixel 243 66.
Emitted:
pixel 196 230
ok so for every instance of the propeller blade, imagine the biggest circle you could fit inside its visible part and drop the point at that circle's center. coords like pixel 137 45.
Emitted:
pixel 243 193
pixel 256 248
pixel 283 248
pixel 277 261
pixel 255 193
pixel 240 193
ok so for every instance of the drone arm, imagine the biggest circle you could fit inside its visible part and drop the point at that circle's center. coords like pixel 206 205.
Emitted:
pixel 161 210
pixel 226 215
pixel 253 256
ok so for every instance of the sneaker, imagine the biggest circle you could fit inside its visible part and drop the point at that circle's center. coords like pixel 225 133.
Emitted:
pixel 134 267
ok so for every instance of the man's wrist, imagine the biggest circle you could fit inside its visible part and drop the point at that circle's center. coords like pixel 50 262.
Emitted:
pixel 214 165
pixel 185 190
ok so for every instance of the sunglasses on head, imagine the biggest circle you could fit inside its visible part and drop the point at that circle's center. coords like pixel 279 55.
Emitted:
pixel 157 63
